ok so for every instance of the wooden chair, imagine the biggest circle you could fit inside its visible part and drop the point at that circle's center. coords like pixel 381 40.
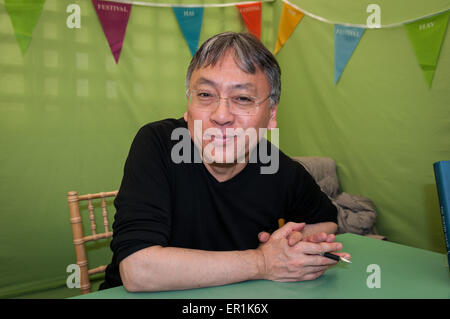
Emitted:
pixel 77 230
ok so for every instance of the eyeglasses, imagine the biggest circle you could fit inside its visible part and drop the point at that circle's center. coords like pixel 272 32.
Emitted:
pixel 208 101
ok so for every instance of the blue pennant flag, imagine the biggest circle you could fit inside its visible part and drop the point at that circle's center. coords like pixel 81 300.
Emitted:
pixel 345 41
pixel 190 21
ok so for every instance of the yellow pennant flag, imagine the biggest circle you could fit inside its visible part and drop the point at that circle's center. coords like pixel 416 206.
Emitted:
pixel 290 17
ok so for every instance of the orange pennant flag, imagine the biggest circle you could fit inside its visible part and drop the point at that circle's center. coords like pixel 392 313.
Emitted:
pixel 290 17
pixel 251 13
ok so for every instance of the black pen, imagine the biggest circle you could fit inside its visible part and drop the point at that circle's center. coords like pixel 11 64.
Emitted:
pixel 335 257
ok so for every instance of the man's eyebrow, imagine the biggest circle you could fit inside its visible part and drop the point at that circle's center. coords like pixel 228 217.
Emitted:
pixel 203 80
pixel 243 86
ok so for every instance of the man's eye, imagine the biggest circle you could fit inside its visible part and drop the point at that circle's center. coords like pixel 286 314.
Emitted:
pixel 204 95
pixel 242 99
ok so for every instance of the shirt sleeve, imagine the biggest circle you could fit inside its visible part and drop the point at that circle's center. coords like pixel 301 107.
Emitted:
pixel 308 203
pixel 143 203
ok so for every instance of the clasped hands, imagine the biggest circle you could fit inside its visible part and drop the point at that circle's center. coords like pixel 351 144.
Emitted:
pixel 289 254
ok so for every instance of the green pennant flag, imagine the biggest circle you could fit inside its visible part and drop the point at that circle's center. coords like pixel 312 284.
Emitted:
pixel 426 37
pixel 24 15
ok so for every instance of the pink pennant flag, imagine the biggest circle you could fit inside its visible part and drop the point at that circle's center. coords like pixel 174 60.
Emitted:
pixel 114 19
pixel 251 13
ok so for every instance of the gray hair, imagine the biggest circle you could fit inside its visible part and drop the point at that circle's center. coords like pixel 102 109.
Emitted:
pixel 249 53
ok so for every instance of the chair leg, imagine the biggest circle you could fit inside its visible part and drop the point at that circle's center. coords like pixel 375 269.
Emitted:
pixel 77 231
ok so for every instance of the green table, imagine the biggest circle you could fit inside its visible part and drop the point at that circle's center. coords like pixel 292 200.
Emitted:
pixel 405 272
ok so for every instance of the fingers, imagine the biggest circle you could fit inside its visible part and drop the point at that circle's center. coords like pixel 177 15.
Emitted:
pixel 315 269
pixel 345 255
pixel 263 237
pixel 321 237
pixel 318 248
pixel 294 238
pixel 306 274
pixel 330 238
pixel 290 256
pixel 287 229
pixel 313 275
pixel 312 253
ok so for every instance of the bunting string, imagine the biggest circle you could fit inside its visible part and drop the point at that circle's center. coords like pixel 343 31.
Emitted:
pixel 169 5
pixel 311 15
pixel 426 33
pixel 386 26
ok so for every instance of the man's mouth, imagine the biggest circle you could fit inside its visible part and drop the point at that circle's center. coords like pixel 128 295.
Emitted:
pixel 220 139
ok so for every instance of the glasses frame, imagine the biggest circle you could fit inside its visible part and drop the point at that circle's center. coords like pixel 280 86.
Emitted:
pixel 190 91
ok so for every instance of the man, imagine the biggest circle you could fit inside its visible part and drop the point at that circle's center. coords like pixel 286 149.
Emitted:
pixel 188 224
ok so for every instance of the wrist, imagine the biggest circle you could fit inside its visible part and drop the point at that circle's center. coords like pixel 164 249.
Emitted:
pixel 260 264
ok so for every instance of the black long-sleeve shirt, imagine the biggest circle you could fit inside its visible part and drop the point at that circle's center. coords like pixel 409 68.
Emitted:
pixel 183 205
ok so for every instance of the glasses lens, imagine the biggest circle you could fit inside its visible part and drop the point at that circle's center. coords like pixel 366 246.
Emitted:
pixel 202 100
pixel 243 104
pixel 239 109
pixel 207 101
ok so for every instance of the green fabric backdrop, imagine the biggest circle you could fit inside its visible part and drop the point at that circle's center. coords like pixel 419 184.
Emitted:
pixel 68 114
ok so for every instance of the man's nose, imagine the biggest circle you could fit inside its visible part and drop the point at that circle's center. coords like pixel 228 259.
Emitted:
pixel 222 115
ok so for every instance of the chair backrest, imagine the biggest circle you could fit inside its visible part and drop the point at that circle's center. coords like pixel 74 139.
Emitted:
pixel 77 230
pixel 323 170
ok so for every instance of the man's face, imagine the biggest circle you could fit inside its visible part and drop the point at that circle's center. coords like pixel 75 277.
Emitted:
pixel 227 79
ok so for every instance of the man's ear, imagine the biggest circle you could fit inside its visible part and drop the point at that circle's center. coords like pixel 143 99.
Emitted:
pixel 185 116
pixel 273 117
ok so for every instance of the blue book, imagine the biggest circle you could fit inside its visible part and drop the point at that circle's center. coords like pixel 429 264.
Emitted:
pixel 442 174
